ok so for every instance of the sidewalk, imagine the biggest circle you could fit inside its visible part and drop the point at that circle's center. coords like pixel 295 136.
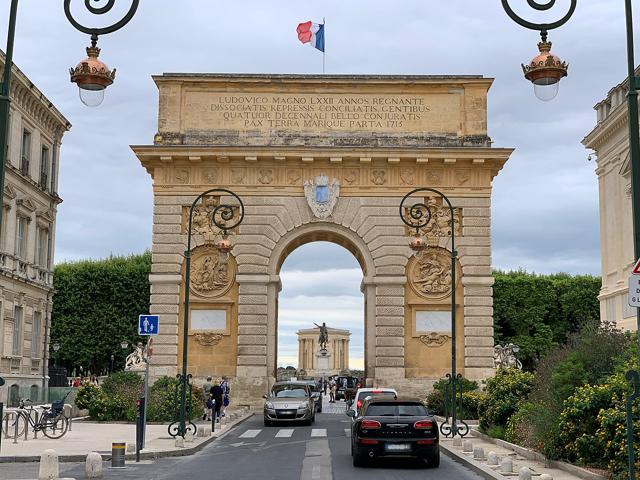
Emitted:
pixel 88 437
pixel 536 464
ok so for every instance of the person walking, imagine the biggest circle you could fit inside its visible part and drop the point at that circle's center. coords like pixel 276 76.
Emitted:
pixel 225 394
pixel 332 391
pixel 218 395
pixel 206 390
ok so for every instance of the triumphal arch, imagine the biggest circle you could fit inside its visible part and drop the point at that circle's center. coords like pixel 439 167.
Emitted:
pixel 323 158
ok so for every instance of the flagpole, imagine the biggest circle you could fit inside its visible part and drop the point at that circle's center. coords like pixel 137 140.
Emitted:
pixel 324 39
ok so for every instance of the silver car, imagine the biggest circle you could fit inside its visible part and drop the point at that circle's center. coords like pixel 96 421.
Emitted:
pixel 289 402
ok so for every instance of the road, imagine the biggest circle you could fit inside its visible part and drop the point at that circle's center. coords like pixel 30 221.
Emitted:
pixel 252 451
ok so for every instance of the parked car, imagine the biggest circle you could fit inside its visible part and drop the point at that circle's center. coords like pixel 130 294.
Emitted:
pixel 316 393
pixel 289 402
pixel 363 393
pixel 391 427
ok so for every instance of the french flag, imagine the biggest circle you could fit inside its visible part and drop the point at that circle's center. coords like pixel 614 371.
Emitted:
pixel 312 33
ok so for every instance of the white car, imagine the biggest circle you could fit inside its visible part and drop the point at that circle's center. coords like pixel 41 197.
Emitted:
pixel 363 393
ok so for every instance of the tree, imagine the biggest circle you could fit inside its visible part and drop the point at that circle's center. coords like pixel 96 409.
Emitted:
pixel 96 307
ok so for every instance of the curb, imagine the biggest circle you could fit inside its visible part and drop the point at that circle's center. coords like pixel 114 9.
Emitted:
pixel 538 457
pixel 143 455
pixel 484 472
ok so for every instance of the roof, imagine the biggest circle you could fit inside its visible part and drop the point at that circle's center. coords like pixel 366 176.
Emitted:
pixel 386 399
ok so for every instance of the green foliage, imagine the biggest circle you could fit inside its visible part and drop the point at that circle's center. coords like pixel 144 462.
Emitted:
pixel 96 306
pixel 435 401
pixel 86 394
pixel 504 393
pixel 589 356
pixel 162 400
pixel 537 312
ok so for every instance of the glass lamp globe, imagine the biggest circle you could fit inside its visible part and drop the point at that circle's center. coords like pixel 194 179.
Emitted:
pixel 92 76
pixel 124 344
pixel 546 89
pixel 91 95
pixel 545 71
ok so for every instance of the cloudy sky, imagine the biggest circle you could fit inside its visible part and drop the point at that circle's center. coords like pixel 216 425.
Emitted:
pixel 545 200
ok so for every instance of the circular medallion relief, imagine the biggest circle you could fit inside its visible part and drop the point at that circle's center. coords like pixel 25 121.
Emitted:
pixel 430 273
pixel 211 273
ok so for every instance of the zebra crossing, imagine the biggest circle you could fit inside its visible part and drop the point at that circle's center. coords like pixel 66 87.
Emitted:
pixel 313 433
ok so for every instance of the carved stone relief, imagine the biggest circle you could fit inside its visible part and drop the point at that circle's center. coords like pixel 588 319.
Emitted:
pixel 430 273
pixel 440 223
pixel 435 176
pixel 351 176
pixel 182 175
pixel 407 176
pixel 462 177
pixel 201 223
pixel 322 195
pixel 238 175
pixel 265 176
pixel 208 339
pixel 379 177
pixel 435 339
pixel 211 175
pixel 211 273
pixel 294 177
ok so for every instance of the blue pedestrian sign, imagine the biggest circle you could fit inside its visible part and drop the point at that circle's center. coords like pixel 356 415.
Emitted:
pixel 148 324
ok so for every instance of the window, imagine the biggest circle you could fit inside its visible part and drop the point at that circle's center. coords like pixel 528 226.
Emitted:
pixel 21 237
pixel 17 331
pixel 44 168
pixel 53 172
pixel 35 334
pixel 34 393
pixel 42 247
pixel 25 156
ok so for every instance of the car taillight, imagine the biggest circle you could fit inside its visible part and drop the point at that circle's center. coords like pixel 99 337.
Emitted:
pixel 423 425
pixel 368 441
pixel 377 391
pixel 370 425
pixel 359 404
pixel 426 442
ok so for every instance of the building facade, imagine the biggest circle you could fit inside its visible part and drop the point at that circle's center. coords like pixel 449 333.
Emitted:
pixel 337 350
pixel 322 158
pixel 610 141
pixel 27 239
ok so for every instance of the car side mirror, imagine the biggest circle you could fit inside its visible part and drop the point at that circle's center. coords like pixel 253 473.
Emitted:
pixel 265 396
pixel 351 413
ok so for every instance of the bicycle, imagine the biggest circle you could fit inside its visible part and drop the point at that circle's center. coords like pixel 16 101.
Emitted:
pixel 51 421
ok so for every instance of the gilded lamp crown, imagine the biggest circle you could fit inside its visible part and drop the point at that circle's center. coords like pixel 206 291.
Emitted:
pixel 545 68
pixel 91 72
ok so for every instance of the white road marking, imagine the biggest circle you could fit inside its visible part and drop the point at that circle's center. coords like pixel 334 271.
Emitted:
pixel 284 433
pixel 347 432
pixel 319 432
pixel 250 434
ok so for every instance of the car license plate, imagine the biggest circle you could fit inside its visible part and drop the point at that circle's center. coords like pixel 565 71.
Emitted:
pixel 397 447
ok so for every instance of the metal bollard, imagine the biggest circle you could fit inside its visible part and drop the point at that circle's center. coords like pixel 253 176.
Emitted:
pixel 15 433
pixel 27 417
pixel 213 418
pixel 6 424
pixel 1 417
pixel 117 454
pixel 68 412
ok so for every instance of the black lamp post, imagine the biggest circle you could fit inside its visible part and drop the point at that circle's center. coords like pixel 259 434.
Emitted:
pixel 418 216
pixel 224 217
pixel 545 71
pixel 55 346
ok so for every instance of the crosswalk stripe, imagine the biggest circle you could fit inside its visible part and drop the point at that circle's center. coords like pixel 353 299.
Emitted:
pixel 319 432
pixel 250 434
pixel 284 433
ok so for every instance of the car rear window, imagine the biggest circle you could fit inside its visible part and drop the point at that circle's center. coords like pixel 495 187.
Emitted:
pixel 363 395
pixel 289 391
pixel 380 409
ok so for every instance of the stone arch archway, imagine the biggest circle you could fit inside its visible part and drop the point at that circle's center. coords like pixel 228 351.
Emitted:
pixel 354 145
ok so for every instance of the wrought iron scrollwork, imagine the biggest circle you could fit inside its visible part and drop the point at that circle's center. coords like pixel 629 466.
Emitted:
pixel 452 425
pixel 419 214
pixel 175 428
pixel 541 6
pixel 100 8
pixel 224 213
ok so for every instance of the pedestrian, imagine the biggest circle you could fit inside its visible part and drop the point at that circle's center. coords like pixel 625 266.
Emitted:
pixel 225 394
pixel 332 391
pixel 206 389
pixel 218 395
pixel 324 386
pixel 76 383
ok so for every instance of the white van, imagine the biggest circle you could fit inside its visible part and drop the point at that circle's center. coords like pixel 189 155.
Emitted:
pixel 363 393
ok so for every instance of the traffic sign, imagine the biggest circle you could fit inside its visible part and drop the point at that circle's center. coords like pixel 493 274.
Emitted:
pixel 634 290
pixel 636 268
pixel 148 324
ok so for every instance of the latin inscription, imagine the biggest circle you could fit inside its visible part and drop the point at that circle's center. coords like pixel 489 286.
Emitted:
pixel 318 112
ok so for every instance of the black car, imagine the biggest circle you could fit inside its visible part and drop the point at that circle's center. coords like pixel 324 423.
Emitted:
pixel 316 393
pixel 390 427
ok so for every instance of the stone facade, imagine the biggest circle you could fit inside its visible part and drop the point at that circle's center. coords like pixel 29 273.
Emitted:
pixel 610 140
pixel 27 239
pixel 267 138
pixel 337 350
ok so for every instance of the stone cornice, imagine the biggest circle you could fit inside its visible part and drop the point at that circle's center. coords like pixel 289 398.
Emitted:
pixel 39 108
pixel 607 128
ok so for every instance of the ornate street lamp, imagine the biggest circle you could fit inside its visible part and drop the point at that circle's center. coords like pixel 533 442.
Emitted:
pixel 545 70
pixel 92 75
pixel 418 216
pixel 55 347
pixel 223 217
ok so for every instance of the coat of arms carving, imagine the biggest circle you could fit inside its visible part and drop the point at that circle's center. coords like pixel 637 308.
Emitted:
pixel 322 195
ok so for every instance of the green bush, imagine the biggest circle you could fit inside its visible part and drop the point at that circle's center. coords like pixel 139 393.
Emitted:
pixel 435 401
pixel 504 393
pixel 86 395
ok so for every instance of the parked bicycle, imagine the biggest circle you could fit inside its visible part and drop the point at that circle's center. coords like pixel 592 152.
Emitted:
pixel 51 420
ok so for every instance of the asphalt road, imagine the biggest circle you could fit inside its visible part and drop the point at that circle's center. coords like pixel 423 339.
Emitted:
pixel 252 451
